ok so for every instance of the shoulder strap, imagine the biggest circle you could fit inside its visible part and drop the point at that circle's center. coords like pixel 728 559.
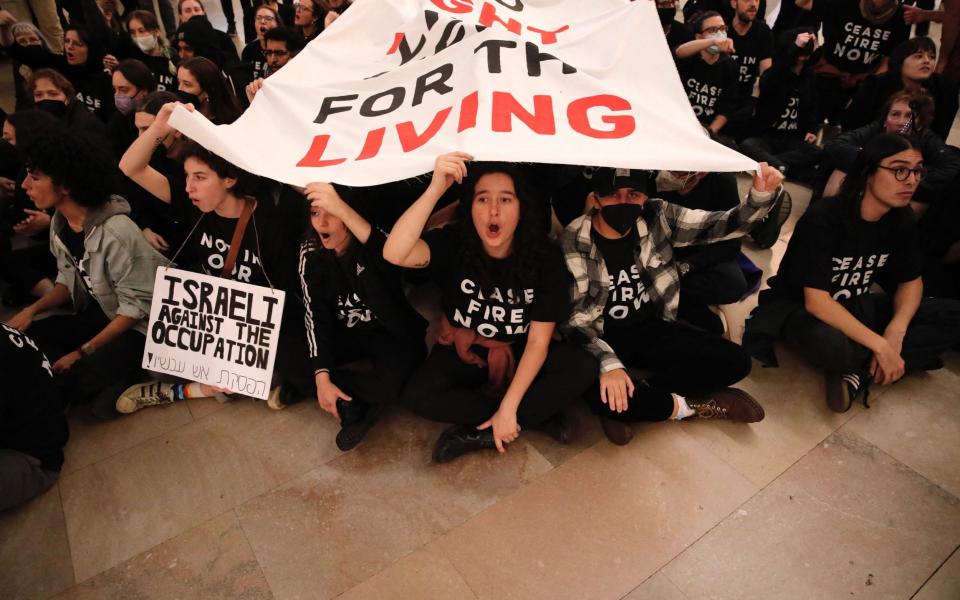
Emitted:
pixel 238 232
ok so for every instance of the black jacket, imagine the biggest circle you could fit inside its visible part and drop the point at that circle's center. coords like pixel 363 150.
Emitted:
pixel 324 277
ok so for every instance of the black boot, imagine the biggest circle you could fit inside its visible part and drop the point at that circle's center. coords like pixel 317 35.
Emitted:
pixel 460 439
pixel 356 419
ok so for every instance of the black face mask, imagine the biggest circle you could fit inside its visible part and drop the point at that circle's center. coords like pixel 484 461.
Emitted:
pixel 622 217
pixel 666 15
pixel 188 98
pixel 57 108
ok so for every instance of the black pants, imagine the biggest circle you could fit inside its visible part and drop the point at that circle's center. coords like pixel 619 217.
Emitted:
pixel 100 378
pixel 722 283
pixel 26 267
pixel 800 158
pixel 683 359
pixel 447 389
pixel 392 360
pixel 935 328
pixel 832 98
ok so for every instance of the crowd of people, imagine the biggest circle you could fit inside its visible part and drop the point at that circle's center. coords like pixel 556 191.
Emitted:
pixel 554 284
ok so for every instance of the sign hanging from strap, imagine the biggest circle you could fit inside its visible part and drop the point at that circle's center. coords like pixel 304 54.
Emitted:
pixel 392 84
pixel 215 331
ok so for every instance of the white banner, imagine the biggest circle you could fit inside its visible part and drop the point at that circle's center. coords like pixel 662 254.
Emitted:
pixel 392 84
pixel 216 331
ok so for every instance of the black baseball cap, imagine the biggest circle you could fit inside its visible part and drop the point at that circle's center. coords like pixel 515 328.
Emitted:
pixel 607 181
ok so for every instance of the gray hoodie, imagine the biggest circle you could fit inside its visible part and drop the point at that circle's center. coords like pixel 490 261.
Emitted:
pixel 119 263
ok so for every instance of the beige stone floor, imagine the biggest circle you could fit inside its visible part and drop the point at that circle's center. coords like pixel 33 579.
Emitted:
pixel 203 500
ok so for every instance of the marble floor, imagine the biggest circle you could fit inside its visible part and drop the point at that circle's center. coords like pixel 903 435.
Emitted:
pixel 205 500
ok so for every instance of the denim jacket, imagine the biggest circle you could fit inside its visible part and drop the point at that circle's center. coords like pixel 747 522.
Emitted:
pixel 119 263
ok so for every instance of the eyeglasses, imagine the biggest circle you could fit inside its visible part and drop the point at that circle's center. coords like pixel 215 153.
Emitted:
pixel 902 173
pixel 711 30
pixel 265 19
pixel 301 6
pixel 277 53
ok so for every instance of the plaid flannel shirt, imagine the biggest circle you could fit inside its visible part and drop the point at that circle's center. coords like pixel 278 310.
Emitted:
pixel 663 226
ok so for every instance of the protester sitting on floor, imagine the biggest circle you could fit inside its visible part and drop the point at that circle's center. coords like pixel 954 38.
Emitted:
pixel 858 37
pixel 219 202
pixel 709 76
pixel 132 81
pixel 753 53
pixel 203 85
pixel 282 44
pixel 911 69
pixel 821 302
pixel 902 113
pixel 785 126
pixel 81 63
pixel 53 93
pixel 940 235
pixel 143 41
pixel 33 429
pixel 105 272
pixel 355 310
pixel 710 274
pixel 29 270
pixel 626 293
pixel 495 368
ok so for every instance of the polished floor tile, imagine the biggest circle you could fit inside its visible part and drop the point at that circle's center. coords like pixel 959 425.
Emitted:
pixel 586 431
pixel 346 521
pixel 658 587
pixel 600 524
pixel 945 583
pixel 134 500
pixel 796 420
pixel 847 520
pixel 34 553
pixel 422 575
pixel 92 439
pixel 211 561
pixel 916 422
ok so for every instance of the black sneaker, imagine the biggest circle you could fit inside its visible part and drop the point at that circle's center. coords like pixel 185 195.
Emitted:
pixel 842 390
pixel 458 440
pixel 766 233
pixel 356 419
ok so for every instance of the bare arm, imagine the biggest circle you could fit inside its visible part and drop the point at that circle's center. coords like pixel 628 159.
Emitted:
pixel 404 246
pixel 58 296
pixel 324 196
pixel 718 123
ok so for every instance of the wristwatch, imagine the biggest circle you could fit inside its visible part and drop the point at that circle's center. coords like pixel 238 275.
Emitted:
pixel 683 268
pixel 87 349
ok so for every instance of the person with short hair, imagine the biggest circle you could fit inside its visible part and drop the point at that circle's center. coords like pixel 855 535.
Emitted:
pixel 280 46
pixel 753 49
pixel 53 93
pixel 105 273
pixel 495 368
pixel 821 301
pixel 709 76
pixel 626 293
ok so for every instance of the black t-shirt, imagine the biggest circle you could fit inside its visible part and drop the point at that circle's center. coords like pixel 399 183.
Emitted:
pixel 74 243
pixel 850 42
pixel 628 302
pixel 31 411
pixel 267 244
pixel 712 89
pixel 253 54
pixel 832 250
pixel 500 312
pixel 678 35
pixel 751 48
pixel 160 67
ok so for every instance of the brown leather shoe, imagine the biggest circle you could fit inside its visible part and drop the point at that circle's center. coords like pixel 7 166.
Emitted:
pixel 618 432
pixel 728 403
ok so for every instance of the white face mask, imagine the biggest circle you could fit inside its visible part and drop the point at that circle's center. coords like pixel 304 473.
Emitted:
pixel 716 35
pixel 146 43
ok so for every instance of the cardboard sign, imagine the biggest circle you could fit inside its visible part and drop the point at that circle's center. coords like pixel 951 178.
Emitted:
pixel 216 331
pixel 392 84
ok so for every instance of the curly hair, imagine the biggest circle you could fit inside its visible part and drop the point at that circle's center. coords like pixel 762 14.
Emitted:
pixel 74 162
pixel 530 241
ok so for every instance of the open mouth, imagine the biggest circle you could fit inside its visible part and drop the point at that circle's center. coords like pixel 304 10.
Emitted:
pixel 493 230
pixel 325 237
